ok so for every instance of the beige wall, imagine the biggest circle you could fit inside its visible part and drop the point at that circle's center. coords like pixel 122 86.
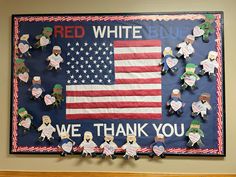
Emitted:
pixel 170 164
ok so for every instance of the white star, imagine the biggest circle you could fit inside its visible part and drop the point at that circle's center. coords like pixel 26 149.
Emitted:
pixel 109 80
pixel 86 53
pixel 111 52
pixel 92 70
pixel 100 80
pixel 106 48
pixel 96 52
pixel 97 65
pixel 110 71
pixel 110 62
pixel 83 81
pixel 68 54
pixel 90 48
pixel 89 66
pixel 68 81
pixel 68 63
pixel 68 71
pixel 68 44
pixel 76 70
pixel 95 76
pixel 103 44
pixel 102 61
pixel 99 58
pixel 99 48
pixel 81 49
pixel 92 81
pixel 110 44
pixel 81 66
pixel 80 76
pixel 77 53
pixel 91 58
pixel 85 44
pixel 95 44
pixel 100 70
pixel 72 59
pixel 104 53
pixel 75 81
pixel 77 62
pixel 105 66
pixel 86 62
pixel 77 44
pixel 72 67
pixel 108 58
pixel 94 61
pixel 81 58
pixel 85 71
pixel 105 76
pixel 88 76
pixel 72 48
pixel 72 76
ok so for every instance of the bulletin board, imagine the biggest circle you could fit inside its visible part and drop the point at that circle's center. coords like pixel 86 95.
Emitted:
pixel 145 75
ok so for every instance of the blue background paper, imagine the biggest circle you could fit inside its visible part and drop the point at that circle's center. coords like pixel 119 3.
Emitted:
pixel 170 33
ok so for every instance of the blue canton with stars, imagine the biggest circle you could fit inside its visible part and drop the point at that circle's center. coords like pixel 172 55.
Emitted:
pixel 89 63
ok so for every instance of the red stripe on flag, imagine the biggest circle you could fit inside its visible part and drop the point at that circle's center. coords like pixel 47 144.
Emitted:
pixel 128 69
pixel 137 43
pixel 139 81
pixel 149 92
pixel 134 56
pixel 112 105
pixel 114 116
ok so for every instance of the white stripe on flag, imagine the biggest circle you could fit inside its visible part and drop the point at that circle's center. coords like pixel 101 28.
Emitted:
pixel 139 62
pixel 113 110
pixel 146 75
pixel 123 50
pixel 113 99
pixel 113 87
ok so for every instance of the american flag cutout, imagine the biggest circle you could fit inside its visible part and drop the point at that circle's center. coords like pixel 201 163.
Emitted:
pixel 114 80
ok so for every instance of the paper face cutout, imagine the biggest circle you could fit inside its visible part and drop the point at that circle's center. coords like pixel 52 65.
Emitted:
pixel 197 31
pixel 24 77
pixel 37 92
pixel 194 137
pixel 49 100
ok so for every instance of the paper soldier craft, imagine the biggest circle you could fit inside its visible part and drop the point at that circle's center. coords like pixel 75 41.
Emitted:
pixel 55 58
pixel 56 98
pixel 175 103
pixel 25 119
pixel 186 48
pixel 66 144
pixel 22 71
pixel 131 147
pixel 209 65
pixel 189 76
pixel 36 88
pixel 158 147
pixel 43 39
pixel 202 106
pixel 24 46
pixel 88 145
pixel 169 62
pixel 194 133
pixel 205 29
pixel 108 147
pixel 46 129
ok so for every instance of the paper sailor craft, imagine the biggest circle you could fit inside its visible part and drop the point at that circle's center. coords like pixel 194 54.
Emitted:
pixel 46 129
pixel 66 144
pixel 56 98
pixel 186 48
pixel 168 62
pixel 24 46
pixel 22 71
pixel 202 106
pixel 25 119
pixel 131 147
pixel 189 77
pixel 108 147
pixel 175 103
pixel 158 147
pixel 195 134
pixel 36 88
pixel 55 58
pixel 209 65
pixel 43 39
pixel 88 145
